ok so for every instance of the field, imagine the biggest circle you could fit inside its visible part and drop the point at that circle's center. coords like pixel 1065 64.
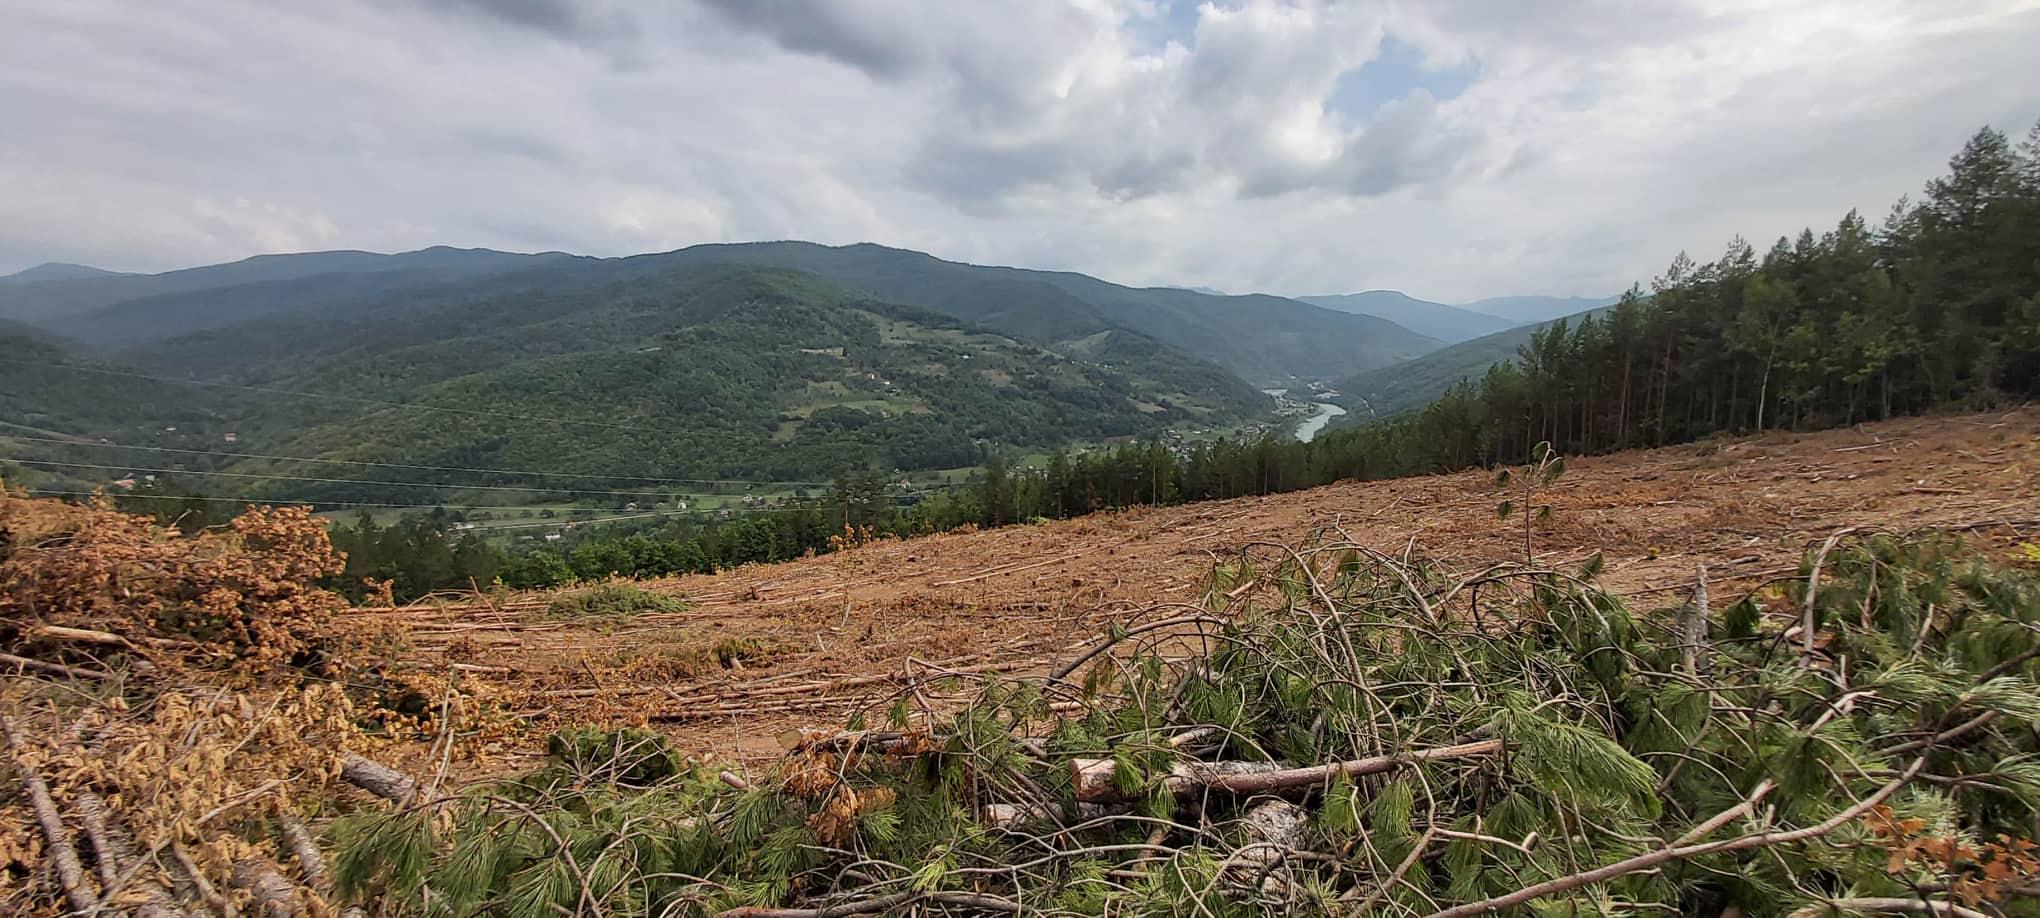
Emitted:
pixel 824 637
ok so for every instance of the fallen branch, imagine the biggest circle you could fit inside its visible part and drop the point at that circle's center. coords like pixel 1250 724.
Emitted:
pixel 118 865
pixel 1653 859
pixel 1876 904
pixel 63 855
pixel 1094 781
pixel 878 904
pixel 378 779
pixel 55 669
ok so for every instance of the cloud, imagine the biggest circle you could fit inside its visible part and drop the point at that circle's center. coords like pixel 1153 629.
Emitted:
pixel 1581 143
pixel 568 20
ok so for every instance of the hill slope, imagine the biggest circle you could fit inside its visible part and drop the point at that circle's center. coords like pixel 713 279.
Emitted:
pixel 1445 323
pixel 1415 383
pixel 714 371
pixel 1024 597
pixel 1259 337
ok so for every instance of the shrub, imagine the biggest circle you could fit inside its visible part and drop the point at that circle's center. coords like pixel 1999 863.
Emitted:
pixel 612 599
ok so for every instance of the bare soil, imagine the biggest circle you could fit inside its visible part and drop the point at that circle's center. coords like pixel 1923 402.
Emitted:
pixel 844 631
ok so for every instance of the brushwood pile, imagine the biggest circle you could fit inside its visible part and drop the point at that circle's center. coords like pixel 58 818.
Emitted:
pixel 193 727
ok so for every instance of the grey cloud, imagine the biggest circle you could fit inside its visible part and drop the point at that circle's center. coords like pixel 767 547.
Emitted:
pixel 831 30
pixel 570 20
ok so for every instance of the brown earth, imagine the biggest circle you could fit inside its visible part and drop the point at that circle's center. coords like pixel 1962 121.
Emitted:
pixel 849 630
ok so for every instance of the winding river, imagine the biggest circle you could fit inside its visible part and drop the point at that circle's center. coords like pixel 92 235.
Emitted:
pixel 1326 411
pixel 1308 428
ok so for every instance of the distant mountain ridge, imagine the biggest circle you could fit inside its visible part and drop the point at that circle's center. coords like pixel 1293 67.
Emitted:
pixel 1524 309
pixel 1415 383
pixel 55 271
pixel 1450 324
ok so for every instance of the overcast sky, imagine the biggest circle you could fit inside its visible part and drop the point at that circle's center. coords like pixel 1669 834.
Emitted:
pixel 1452 149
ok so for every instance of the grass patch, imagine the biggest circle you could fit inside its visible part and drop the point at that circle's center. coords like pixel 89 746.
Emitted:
pixel 612 599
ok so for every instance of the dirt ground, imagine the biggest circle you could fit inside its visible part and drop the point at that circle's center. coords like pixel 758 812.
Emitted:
pixel 848 630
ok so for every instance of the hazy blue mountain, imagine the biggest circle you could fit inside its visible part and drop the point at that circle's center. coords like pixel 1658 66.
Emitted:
pixel 1521 309
pixel 54 271
pixel 44 301
pixel 1445 323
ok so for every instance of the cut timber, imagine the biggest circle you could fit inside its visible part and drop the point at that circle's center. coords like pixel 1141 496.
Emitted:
pixel 378 779
pixel 1093 779
pixel 269 894
pixel 63 855
pixel 1013 815
pixel 1273 828
pixel 311 861
pixel 110 841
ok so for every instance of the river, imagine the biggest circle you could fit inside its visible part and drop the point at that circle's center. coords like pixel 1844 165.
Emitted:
pixel 1308 428
pixel 1326 411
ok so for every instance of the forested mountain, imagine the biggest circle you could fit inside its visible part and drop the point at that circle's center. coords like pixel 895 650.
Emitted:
pixel 1445 323
pixel 1416 382
pixel 712 371
pixel 1532 309
pixel 68 295
pixel 1259 337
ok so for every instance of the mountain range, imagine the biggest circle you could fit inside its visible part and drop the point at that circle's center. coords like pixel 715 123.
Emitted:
pixel 779 359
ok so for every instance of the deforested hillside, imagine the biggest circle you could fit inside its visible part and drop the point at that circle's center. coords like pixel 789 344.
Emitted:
pixel 1369 698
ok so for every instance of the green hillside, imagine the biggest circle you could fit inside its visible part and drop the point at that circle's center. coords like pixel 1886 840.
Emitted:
pixel 1415 383
pixel 1264 339
pixel 720 371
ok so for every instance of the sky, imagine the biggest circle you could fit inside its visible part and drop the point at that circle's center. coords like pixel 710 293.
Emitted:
pixel 1451 148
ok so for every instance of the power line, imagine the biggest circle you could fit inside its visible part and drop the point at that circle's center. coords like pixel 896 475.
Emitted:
pixel 400 465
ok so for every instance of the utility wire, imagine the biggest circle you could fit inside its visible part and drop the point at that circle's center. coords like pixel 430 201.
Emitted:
pixel 400 465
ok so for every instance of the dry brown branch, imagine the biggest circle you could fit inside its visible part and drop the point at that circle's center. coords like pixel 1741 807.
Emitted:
pixel 55 669
pixel 63 854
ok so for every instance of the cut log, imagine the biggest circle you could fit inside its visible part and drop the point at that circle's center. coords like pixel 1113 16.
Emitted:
pixel 269 894
pixel 311 861
pixel 1014 815
pixel 1274 828
pixel 1094 782
pixel 111 842
pixel 378 779
pixel 63 854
